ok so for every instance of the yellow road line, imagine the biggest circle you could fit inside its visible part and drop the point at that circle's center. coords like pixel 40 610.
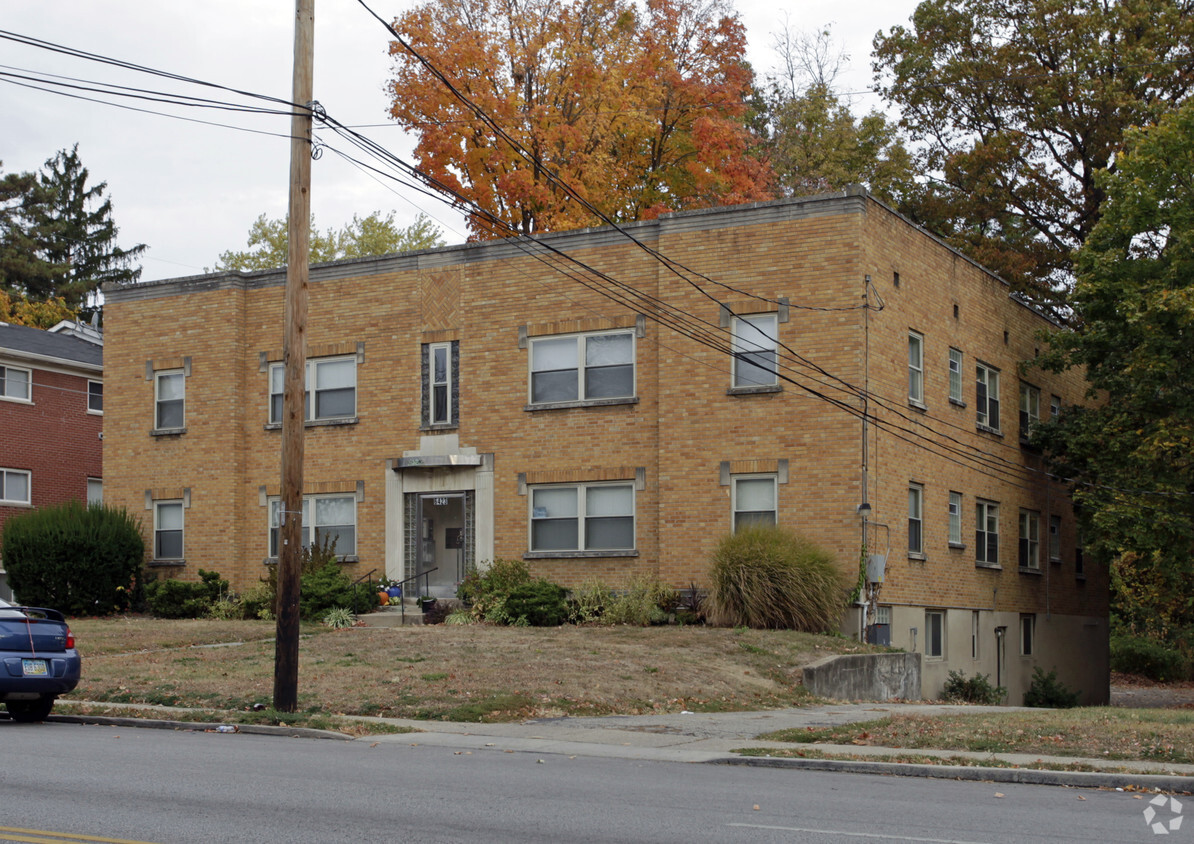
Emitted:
pixel 57 837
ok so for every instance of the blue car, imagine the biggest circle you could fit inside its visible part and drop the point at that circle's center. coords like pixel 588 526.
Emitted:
pixel 38 660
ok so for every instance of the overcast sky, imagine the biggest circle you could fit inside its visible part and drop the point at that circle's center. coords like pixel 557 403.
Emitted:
pixel 188 190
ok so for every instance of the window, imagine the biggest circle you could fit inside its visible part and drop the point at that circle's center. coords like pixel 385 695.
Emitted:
pixel 1055 539
pixel 1079 559
pixel 754 500
pixel 1030 540
pixel 1027 635
pixel 1030 409
pixel 915 520
pixel 955 376
pixel 14 486
pixel 14 383
pixel 167 529
pixel 934 634
pixel 974 621
pixel 986 397
pixel 585 517
pixel 439 389
pixel 955 519
pixel 335 388
pixel 95 396
pixel 754 345
pixel 170 399
pixel 582 367
pixel 986 533
pixel 95 491
pixel 335 520
pixel 916 368
pixel 1054 407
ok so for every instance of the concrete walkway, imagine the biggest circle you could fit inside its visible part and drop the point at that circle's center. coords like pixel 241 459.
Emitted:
pixel 712 737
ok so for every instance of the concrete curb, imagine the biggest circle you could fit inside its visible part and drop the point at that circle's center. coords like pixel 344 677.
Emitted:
pixel 1024 776
pixel 201 727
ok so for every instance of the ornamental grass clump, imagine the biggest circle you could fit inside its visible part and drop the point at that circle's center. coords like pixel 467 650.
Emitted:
pixel 769 578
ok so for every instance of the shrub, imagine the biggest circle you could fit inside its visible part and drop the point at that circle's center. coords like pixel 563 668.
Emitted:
pixel 1147 658
pixel 485 592
pixel 643 601
pixel 185 598
pixel 1047 691
pixel 80 559
pixel 339 618
pixel 976 689
pixel 539 603
pixel 323 585
pixel 771 578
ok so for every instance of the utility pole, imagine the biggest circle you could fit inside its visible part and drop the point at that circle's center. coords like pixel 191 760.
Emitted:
pixel 294 347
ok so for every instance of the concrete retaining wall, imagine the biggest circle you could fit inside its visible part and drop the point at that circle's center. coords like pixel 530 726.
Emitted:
pixel 893 676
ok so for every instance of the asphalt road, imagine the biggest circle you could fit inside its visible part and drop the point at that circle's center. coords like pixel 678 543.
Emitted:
pixel 170 787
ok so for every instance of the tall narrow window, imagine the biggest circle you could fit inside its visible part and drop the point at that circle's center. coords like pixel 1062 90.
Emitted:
pixel 916 368
pixel 1055 539
pixel 974 628
pixel 754 500
pixel 95 491
pixel 986 396
pixel 440 383
pixel 14 383
pixel 1027 635
pixel 754 346
pixel 1054 407
pixel 95 396
pixel 986 533
pixel 1030 409
pixel 1030 540
pixel 934 634
pixel 955 376
pixel 167 530
pixel 170 398
pixel 915 519
pixel 955 518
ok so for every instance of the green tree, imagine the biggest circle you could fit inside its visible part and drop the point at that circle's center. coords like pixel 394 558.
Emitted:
pixel 22 234
pixel 1019 104
pixel 269 241
pixel 1131 453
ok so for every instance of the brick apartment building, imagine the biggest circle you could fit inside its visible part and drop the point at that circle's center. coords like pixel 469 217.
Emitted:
pixel 51 418
pixel 573 401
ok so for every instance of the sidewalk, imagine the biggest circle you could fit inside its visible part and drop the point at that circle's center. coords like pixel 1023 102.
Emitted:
pixel 711 738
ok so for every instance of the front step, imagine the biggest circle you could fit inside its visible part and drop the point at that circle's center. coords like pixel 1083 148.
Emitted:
pixel 393 616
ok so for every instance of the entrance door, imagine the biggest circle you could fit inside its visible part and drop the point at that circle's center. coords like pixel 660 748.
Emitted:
pixel 441 542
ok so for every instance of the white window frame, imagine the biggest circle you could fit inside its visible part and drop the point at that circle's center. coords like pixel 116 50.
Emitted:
pixel 94 485
pixel 1030 540
pixel 986 528
pixel 1030 408
pixel 1054 538
pixel 435 408
pixel 916 368
pixel 159 402
pixel 158 530
pixel 5 474
pixel 955 519
pixel 582 366
pixel 754 346
pixel 92 395
pixel 581 518
pixel 311 528
pixel 916 520
pixel 6 384
pixel 955 376
pixel 738 517
pixel 935 649
pixel 986 396
pixel 1054 406
pixel 277 386
pixel 1027 634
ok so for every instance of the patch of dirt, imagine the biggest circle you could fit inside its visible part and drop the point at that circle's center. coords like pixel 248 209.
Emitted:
pixel 1131 691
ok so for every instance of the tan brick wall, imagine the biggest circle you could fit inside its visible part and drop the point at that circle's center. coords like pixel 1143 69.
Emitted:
pixel 680 430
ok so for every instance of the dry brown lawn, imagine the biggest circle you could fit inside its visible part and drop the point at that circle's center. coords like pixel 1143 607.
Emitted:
pixel 465 673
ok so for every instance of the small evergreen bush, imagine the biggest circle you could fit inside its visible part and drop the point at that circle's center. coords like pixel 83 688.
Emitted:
pixel 185 598
pixel 1147 658
pixel 773 579
pixel 539 603
pixel 78 558
pixel 1047 691
pixel 484 592
pixel 976 689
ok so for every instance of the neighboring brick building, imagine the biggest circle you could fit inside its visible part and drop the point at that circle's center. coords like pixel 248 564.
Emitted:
pixel 486 400
pixel 51 418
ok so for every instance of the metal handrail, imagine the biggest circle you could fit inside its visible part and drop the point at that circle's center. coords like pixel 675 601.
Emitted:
pixel 402 583
pixel 354 588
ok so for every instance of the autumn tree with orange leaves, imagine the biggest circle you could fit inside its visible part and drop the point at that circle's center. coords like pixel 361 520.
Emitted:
pixel 637 108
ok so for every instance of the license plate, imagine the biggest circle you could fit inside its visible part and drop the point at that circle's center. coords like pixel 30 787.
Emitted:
pixel 34 667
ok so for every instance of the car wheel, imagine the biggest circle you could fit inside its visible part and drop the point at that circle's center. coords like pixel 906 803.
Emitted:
pixel 30 711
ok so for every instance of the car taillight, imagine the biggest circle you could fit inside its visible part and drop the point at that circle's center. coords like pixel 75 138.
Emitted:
pixel 70 639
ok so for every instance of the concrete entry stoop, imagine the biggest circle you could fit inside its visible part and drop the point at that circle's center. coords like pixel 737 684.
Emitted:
pixel 394 616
